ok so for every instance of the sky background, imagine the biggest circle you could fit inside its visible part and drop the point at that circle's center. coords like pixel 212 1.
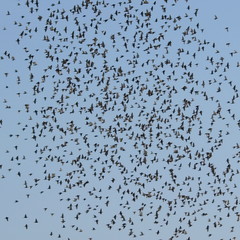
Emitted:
pixel 57 176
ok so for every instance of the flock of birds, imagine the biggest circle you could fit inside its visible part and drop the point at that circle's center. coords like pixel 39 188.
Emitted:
pixel 128 111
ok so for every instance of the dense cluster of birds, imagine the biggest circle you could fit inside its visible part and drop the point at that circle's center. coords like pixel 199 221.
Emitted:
pixel 128 111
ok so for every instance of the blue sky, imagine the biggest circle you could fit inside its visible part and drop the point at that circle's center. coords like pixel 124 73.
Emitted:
pixel 117 128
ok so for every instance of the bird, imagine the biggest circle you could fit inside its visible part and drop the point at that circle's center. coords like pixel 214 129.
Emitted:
pixel 123 115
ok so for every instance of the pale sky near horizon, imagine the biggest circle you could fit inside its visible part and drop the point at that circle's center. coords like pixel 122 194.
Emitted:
pixel 73 169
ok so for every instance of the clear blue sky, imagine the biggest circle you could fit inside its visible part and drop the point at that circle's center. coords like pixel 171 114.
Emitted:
pixel 120 116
